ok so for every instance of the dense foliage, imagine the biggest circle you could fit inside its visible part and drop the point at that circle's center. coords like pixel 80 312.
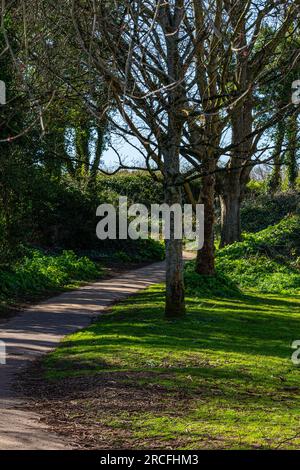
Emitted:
pixel 261 209
pixel 267 261
pixel 59 213
pixel 38 272
pixel 138 186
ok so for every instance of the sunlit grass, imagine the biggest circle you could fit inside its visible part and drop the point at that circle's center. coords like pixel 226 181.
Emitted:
pixel 231 358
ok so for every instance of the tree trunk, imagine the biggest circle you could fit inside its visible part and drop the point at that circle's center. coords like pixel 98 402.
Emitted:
pixel 233 182
pixel 175 303
pixel 230 217
pixel 101 130
pixel 291 154
pixel 275 178
pixel 170 148
pixel 205 261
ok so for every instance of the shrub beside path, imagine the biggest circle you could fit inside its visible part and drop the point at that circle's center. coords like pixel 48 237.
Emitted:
pixel 38 330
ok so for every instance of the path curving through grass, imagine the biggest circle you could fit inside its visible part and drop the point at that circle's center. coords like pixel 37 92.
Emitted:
pixel 38 330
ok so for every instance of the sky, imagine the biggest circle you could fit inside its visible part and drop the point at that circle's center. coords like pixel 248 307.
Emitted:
pixel 128 154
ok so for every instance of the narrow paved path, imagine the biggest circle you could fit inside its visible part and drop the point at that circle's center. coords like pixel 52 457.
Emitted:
pixel 38 330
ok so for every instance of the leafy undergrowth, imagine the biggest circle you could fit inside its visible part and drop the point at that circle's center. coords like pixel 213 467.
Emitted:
pixel 142 250
pixel 261 210
pixel 279 241
pixel 37 273
pixel 220 378
pixel 267 261
pixel 219 285
pixel 130 251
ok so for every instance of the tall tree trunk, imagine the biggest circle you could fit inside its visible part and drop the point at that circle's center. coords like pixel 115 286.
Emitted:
pixel 275 178
pixel 82 137
pixel 231 189
pixel 230 217
pixel 232 183
pixel 291 154
pixel 205 261
pixel 175 302
pixel 98 153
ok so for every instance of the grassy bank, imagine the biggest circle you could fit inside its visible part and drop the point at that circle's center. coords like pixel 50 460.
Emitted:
pixel 267 261
pixel 35 274
pixel 39 275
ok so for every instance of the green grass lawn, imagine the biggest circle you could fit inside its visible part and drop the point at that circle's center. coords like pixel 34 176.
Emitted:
pixel 224 373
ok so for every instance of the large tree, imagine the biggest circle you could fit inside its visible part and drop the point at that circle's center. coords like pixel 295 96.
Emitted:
pixel 256 60
pixel 240 56
pixel 145 72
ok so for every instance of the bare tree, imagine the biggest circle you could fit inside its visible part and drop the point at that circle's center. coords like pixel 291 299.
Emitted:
pixel 240 55
pixel 145 65
pixel 257 57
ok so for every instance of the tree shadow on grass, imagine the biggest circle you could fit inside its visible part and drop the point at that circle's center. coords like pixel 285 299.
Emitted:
pixel 218 371
pixel 136 336
pixel 161 405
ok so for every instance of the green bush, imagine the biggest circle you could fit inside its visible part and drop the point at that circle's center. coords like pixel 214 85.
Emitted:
pixel 128 251
pixel 267 261
pixel 260 273
pixel 38 272
pixel 262 210
pixel 139 187
pixel 142 250
pixel 278 241
pixel 220 285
